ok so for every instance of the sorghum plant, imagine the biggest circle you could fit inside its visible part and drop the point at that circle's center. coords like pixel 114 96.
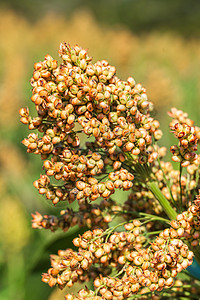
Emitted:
pixel 134 247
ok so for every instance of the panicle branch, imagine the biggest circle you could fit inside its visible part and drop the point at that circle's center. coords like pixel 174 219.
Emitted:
pixel 187 135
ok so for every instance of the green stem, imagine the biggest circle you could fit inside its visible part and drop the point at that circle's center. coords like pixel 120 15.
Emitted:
pixel 181 196
pixel 197 180
pixel 154 217
pixel 142 214
pixel 153 232
pixel 167 183
pixel 111 229
pixel 153 186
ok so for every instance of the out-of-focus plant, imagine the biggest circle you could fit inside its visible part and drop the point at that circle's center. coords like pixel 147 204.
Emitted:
pixel 131 248
pixel 168 72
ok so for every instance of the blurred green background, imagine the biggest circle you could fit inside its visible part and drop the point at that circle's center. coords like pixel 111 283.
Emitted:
pixel 156 42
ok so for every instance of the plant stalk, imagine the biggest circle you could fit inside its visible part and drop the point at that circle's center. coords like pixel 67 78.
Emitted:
pixel 153 186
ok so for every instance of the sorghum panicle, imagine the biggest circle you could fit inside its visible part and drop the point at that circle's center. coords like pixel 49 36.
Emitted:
pixel 79 98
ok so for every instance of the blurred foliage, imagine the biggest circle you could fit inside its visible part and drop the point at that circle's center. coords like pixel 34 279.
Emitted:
pixel 182 16
pixel 164 61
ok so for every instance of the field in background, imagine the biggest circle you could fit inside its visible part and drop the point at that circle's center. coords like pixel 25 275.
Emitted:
pixel 166 64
